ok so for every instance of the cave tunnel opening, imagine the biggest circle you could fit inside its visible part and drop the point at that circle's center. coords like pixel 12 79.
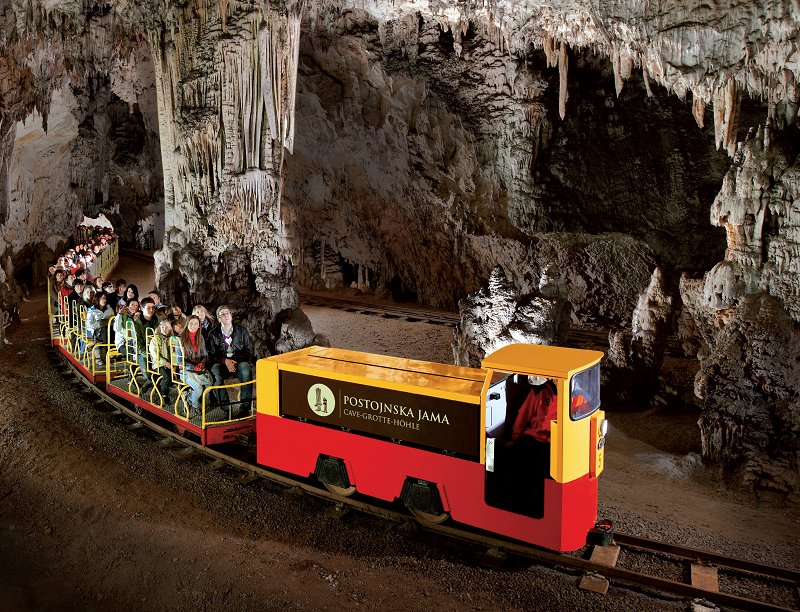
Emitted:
pixel 402 291
pixel 349 272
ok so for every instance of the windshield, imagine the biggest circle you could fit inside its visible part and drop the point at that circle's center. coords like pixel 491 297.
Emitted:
pixel 584 393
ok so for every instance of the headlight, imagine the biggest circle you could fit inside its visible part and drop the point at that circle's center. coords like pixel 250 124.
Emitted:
pixel 603 427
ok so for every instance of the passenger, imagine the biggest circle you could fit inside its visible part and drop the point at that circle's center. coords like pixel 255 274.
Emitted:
pixel 129 313
pixel 207 322
pixel 159 356
pixel 75 298
pixel 97 317
pixel 132 293
pixel 195 358
pixel 176 311
pixel 88 295
pixel 55 288
pixel 178 324
pixel 149 318
pixel 120 302
pixel 98 284
pixel 142 320
pixel 68 285
pixel 153 294
pixel 537 411
pixel 161 312
pixel 231 351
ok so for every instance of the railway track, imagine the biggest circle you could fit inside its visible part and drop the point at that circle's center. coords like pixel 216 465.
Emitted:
pixel 597 568
pixel 578 337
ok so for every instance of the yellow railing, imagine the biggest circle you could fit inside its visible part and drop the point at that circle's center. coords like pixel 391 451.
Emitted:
pixel 228 388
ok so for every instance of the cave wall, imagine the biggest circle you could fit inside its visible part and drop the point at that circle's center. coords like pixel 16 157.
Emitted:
pixel 77 120
pixel 405 162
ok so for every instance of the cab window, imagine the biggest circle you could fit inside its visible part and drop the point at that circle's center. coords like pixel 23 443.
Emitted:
pixel 584 394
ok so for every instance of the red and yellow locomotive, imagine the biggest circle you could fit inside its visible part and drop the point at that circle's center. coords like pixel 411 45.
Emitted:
pixel 439 438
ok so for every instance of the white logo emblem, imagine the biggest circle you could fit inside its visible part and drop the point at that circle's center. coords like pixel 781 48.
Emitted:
pixel 321 400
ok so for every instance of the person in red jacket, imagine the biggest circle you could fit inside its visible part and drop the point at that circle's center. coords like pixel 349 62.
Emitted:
pixel 538 409
pixel 529 447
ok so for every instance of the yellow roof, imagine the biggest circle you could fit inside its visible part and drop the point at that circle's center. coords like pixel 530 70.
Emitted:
pixel 427 377
pixel 541 360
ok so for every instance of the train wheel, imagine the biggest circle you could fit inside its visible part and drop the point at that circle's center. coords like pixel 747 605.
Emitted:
pixel 427 518
pixel 342 491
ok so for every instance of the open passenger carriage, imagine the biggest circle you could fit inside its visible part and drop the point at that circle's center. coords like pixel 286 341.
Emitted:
pixel 215 422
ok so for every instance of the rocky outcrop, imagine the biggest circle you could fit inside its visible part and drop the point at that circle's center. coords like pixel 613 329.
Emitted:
pixel 749 387
pixel 497 316
pixel 745 311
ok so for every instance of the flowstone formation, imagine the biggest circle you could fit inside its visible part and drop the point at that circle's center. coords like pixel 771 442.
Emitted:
pixel 746 314
pixel 225 75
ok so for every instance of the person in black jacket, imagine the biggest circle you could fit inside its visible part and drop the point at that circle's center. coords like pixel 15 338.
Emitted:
pixel 230 350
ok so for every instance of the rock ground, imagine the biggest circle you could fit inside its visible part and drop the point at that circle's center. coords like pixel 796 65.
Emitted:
pixel 93 517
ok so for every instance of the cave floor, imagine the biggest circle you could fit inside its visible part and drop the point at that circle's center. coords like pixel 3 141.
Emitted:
pixel 93 517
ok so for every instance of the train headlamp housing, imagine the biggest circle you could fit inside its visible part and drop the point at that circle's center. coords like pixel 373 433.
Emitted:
pixel 603 427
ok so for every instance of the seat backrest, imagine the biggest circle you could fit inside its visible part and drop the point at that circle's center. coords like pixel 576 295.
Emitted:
pixel 131 346
pixel 149 334
pixel 82 320
pixel 176 359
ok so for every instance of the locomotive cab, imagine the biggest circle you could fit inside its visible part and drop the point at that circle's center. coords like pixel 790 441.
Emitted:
pixel 543 423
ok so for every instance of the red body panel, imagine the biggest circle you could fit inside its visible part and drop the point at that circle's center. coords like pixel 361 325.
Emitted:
pixel 97 378
pixel 215 434
pixel 378 469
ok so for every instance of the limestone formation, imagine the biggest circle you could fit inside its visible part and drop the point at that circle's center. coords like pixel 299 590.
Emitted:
pixel 746 314
pixel 652 324
pixel 749 386
pixel 497 316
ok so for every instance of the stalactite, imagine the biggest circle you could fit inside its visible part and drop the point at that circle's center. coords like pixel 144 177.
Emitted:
pixel 550 52
pixel 562 73
pixel 726 111
pixel 280 50
pixel 223 15
pixel 646 81
pixel 698 110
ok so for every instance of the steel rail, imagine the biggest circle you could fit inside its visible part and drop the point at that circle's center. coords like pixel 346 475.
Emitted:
pixel 695 554
pixel 621 575
pixel 553 559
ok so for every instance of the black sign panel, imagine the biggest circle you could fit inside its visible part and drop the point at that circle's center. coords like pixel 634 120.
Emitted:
pixel 419 419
